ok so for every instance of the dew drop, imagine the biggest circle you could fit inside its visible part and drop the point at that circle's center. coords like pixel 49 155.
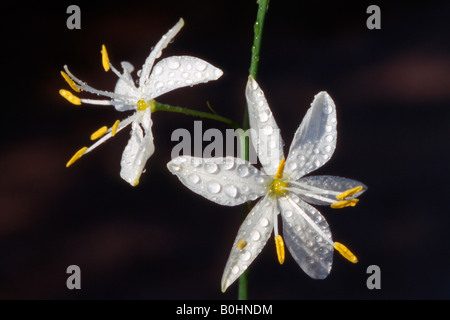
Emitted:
pixel 194 178
pixel 329 138
pixel 230 191
pixel 268 130
pixel 327 148
pixel 211 168
pixel 228 164
pixel 264 222
pixel 174 167
pixel 292 166
pixel 328 128
pixel 255 235
pixel 245 256
pixel 235 269
pixel 288 213
pixel 200 66
pixel 173 64
pixel 213 186
pixel 243 170
pixel 327 109
pixel 263 116
pixel 158 70
pixel 198 75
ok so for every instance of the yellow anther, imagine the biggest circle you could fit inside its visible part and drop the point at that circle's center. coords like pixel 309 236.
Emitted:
pixel 70 97
pixel 347 254
pixel 349 193
pixel 114 128
pixel 99 133
pixel 76 156
pixel 278 186
pixel 279 243
pixel 241 244
pixel 142 105
pixel 280 170
pixel 105 59
pixel 71 83
pixel 344 203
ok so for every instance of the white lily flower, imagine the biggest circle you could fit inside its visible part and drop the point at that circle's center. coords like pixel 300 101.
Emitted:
pixel 168 74
pixel 281 184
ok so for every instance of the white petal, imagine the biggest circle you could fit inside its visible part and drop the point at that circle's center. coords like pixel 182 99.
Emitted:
pixel 177 72
pixel 265 135
pixel 139 148
pixel 157 50
pixel 322 190
pixel 226 181
pixel 307 236
pixel 255 231
pixel 315 139
pixel 126 87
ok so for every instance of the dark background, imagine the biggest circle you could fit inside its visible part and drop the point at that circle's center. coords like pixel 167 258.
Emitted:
pixel 161 241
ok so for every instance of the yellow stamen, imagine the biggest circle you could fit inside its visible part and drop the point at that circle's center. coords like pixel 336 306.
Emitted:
pixel 71 83
pixel 76 156
pixel 114 128
pixel 347 254
pixel 349 193
pixel 241 244
pixel 279 243
pixel 105 59
pixel 280 170
pixel 344 203
pixel 99 133
pixel 70 97
pixel 142 105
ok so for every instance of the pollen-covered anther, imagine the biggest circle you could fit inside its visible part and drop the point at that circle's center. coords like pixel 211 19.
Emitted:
pixel 71 83
pixel 349 193
pixel 76 156
pixel 279 244
pixel 241 244
pixel 344 203
pixel 99 133
pixel 105 59
pixel 70 97
pixel 347 254
pixel 114 128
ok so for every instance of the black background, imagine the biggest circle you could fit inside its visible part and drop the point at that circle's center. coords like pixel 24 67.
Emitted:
pixel 161 241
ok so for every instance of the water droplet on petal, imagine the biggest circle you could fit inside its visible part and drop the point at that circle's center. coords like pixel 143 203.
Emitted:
pixel 255 235
pixel 263 116
pixel 200 66
pixel 264 222
pixel 235 269
pixel 288 213
pixel 327 109
pixel 211 168
pixel 213 186
pixel 173 64
pixel 329 138
pixel 158 70
pixel 230 191
pixel 245 256
pixel 243 170
pixel 194 178
pixel 267 130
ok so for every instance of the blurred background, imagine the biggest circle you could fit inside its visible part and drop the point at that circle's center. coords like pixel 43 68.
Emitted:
pixel 161 241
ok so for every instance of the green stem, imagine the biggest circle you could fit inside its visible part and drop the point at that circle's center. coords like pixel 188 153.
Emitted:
pixel 157 106
pixel 256 48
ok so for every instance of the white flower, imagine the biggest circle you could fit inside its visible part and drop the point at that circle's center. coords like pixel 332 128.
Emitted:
pixel 167 75
pixel 281 184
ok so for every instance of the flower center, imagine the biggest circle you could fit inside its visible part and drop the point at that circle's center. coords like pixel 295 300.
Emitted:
pixel 142 105
pixel 278 186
